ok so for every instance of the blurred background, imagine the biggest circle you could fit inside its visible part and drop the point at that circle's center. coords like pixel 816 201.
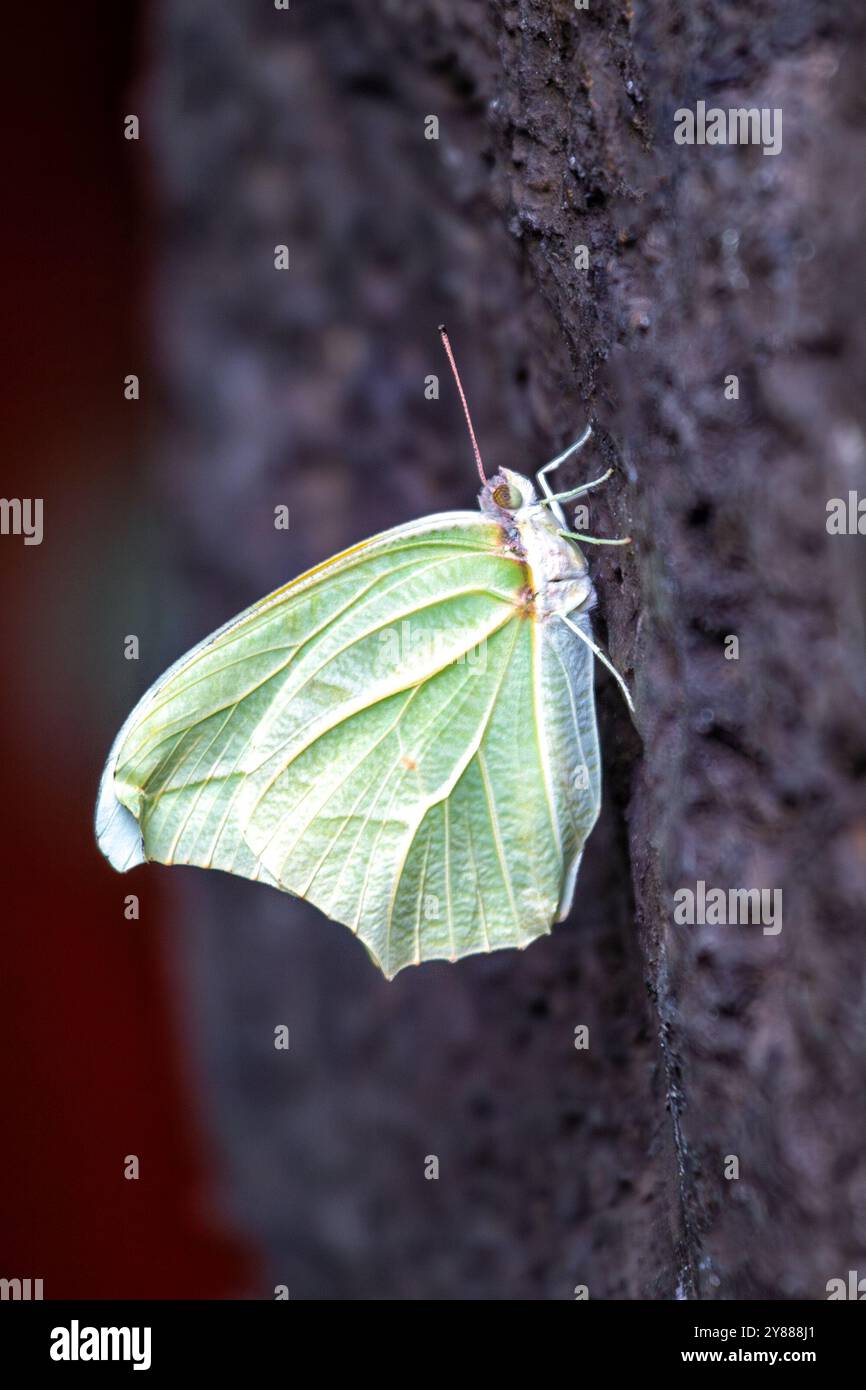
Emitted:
pixel 306 387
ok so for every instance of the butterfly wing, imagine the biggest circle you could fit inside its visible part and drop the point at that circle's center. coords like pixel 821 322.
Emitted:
pixel 492 860
pixel 393 736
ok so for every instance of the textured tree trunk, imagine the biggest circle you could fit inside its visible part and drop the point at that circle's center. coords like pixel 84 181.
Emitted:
pixel 610 1167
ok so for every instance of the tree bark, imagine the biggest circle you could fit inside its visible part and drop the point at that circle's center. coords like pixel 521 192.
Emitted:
pixel 609 1167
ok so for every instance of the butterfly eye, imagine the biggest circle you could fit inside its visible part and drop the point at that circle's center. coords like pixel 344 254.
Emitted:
pixel 507 496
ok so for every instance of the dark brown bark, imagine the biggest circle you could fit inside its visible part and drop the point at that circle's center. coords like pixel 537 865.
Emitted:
pixel 558 1167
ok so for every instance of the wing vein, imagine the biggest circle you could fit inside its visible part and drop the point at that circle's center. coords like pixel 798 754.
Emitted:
pixel 443 797
pixel 497 837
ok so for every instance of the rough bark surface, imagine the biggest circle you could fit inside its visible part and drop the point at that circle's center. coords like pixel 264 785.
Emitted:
pixel 559 1167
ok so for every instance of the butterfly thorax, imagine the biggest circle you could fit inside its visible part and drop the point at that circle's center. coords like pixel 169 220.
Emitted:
pixel 557 572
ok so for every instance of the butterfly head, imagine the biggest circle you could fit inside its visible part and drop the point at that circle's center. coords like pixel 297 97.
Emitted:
pixel 506 493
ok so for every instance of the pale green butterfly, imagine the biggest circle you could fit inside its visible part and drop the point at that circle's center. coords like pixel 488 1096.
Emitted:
pixel 405 735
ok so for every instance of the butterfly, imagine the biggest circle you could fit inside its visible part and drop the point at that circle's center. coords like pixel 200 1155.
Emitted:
pixel 405 735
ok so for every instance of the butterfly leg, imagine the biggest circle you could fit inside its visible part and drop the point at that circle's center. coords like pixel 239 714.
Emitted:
pixel 578 491
pixel 567 453
pixel 595 540
pixel 601 656
pixel 550 496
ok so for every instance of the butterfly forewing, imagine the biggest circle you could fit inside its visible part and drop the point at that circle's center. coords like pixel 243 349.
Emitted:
pixel 394 736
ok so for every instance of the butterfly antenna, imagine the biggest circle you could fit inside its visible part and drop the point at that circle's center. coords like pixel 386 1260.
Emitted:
pixel 447 346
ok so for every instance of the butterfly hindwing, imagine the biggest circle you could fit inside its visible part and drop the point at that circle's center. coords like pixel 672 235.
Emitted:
pixel 494 863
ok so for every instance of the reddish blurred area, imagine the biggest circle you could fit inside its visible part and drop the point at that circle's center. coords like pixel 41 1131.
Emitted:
pixel 91 1057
